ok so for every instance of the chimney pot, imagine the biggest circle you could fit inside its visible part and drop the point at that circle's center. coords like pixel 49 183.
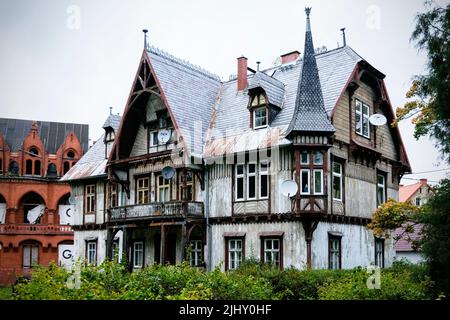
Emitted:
pixel 424 181
pixel 241 73
pixel 289 57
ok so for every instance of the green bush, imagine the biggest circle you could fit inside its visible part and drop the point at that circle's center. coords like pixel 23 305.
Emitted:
pixel 252 281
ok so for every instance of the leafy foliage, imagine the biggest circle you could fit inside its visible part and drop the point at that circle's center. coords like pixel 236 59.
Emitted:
pixel 253 280
pixel 391 215
pixel 435 243
pixel 430 93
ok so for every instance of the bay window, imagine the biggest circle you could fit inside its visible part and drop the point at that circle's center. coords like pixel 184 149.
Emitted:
pixel 337 181
pixel 311 172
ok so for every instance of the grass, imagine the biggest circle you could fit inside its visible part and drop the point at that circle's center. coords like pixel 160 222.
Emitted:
pixel 5 293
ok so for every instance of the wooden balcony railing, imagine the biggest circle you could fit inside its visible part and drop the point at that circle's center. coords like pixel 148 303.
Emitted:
pixel 35 229
pixel 170 209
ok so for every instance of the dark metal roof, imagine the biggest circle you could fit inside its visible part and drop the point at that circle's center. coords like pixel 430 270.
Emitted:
pixel 310 114
pixel 52 134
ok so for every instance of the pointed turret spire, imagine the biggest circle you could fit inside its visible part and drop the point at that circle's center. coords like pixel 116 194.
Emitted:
pixel 309 114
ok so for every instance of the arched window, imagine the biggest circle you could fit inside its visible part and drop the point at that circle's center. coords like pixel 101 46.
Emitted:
pixel 1 165
pixel 32 205
pixel 29 167
pixel 34 151
pixel 66 166
pixel 37 167
pixel 70 155
pixel 51 170
pixel 14 168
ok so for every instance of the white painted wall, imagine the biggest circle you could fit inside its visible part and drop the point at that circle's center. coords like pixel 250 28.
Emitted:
pixel 411 256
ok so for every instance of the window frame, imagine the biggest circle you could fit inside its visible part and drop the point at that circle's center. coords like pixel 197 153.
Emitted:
pixel 331 251
pixel 228 251
pixel 88 256
pixel 236 177
pixel 308 171
pixel 142 190
pixel 384 186
pixel 263 240
pixel 196 254
pixel 340 176
pixel 248 175
pixel 262 173
pixel 160 186
pixel 314 181
pixel 377 262
pixel 32 260
pixel 88 197
pixel 266 117
pixel 364 118
pixel 142 252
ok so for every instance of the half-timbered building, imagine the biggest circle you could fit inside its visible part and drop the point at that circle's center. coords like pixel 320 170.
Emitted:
pixel 197 165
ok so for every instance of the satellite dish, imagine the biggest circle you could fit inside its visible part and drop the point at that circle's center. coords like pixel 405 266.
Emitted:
pixel 289 188
pixel 168 172
pixel 377 119
pixel 164 136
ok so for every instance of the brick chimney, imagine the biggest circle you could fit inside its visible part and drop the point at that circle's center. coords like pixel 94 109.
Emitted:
pixel 424 181
pixel 241 73
pixel 289 57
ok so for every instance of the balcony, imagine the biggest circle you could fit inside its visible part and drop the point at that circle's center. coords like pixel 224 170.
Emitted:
pixel 157 209
pixel 35 229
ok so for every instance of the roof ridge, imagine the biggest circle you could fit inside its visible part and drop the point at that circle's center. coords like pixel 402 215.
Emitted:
pixel 183 62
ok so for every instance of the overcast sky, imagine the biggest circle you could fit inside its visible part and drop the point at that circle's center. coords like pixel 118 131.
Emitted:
pixel 69 61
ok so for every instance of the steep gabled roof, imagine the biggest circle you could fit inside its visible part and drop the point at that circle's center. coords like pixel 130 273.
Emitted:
pixel 190 93
pixel 407 192
pixel 93 163
pixel 309 114
pixel 52 134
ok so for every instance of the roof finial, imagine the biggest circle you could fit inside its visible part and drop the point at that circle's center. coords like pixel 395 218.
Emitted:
pixel 257 65
pixel 308 24
pixel 343 36
pixel 145 38
pixel 110 110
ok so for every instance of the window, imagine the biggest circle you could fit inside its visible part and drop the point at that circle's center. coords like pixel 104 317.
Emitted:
pixel 259 117
pixel 379 252
pixel 30 255
pixel 66 166
pixel 258 100
pixel 51 170
pixel 235 253
pixel 113 200
pixel 37 167
pixel 381 189
pixel 29 167
pixel 337 181
pixel 318 158
pixel 239 182
pixel 304 181
pixel 116 251
pixel 13 167
pixel 418 201
pixel 34 152
pixel 138 254
pixel 153 138
pixel 196 253
pixel 1 165
pixel 186 186
pixel 163 189
pixel 318 181
pixel 91 252
pixel 263 180
pixel 334 252
pixel 251 181
pixel 70 155
pixel 89 198
pixel 142 189
pixel 362 119
pixel 272 251
pixel 304 158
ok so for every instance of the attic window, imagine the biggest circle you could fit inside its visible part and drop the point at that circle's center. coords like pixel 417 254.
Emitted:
pixel 259 117
pixel 258 100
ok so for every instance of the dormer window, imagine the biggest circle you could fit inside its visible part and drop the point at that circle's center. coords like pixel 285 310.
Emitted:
pixel 109 135
pixel 260 117
pixel 362 115
pixel 259 111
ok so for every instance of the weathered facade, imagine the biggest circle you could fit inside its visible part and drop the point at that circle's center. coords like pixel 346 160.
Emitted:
pixel 197 165
pixel 34 207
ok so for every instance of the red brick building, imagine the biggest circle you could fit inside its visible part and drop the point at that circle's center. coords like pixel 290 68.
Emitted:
pixel 33 156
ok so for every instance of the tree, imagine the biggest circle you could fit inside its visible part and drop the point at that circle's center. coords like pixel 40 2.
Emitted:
pixel 430 93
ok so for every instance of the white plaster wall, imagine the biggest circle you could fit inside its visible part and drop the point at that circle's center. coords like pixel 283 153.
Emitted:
pixel 294 246
pixel 80 238
pixel 357 245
